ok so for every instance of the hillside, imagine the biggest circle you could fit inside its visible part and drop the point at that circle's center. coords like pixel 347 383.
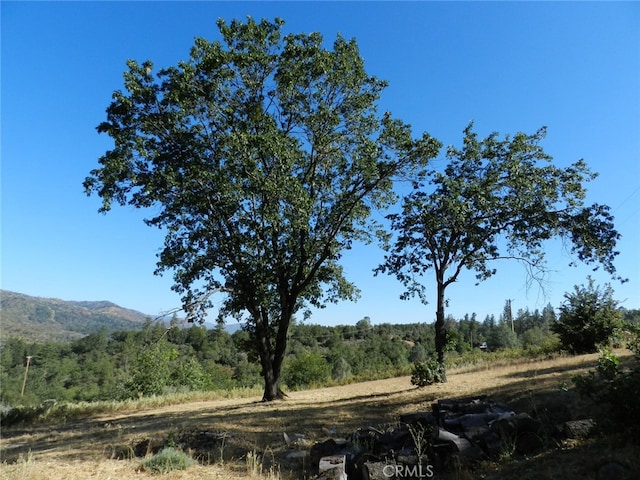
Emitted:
pixel 39 319
pixel 111 444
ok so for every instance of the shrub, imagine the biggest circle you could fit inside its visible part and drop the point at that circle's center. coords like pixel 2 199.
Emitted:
pixel 246 374
pixel 427 372
pixel 189 373
pixel 588 319
pixel 167 460
pixel 306 369
pixel 537 341
pixel 615 391
pixel 341 370
pixel 152 369
pixel 219 377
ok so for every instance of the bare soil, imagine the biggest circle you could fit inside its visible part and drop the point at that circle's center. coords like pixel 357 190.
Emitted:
pixel 109 446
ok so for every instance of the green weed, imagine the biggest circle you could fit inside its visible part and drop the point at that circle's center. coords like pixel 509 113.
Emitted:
pixel 167 460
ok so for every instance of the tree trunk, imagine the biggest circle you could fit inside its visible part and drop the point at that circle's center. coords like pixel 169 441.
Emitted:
pixel 271 385
pixel 271 356
pixel 441 333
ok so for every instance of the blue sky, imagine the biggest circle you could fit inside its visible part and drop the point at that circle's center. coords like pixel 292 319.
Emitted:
pixel 574 67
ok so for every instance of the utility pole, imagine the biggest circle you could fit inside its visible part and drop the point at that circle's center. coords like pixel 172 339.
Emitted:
pixel 26 370
pixel 510 315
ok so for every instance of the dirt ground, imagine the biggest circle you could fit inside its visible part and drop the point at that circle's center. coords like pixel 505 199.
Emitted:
pixel 103 446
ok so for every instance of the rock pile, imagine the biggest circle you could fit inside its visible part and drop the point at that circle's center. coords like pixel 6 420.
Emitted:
pixel 424 443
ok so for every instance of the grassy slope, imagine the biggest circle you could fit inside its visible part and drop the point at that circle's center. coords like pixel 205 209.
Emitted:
pixel 85 448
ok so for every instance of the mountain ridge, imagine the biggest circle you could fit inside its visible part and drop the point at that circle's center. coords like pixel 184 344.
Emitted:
pixel 52 319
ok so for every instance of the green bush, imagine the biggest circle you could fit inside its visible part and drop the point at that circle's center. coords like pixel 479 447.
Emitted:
pixel 306 369
pixel 167 460
pixel 341 370
pixel 427 372
pixel 189 373
pixel 246 374
pixel 589 318
pixel 219 377
pixel 152 369
pixel 538 342
pixel 615 391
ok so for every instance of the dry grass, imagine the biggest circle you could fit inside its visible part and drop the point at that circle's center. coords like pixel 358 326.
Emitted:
pixel 146 403
pixel 88 447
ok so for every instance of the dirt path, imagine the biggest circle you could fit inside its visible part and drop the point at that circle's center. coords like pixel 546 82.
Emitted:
pixel 93 443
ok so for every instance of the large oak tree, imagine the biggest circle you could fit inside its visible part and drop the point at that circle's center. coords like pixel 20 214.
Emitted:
pixel 261 157
pixel 494 199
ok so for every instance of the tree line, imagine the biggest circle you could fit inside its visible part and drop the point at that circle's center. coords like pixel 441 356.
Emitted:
pixel 160 360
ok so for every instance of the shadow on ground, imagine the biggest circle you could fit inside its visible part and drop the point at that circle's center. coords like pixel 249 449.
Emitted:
pixel 252 426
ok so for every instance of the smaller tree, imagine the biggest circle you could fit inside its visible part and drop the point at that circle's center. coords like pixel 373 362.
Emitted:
pixel 494 200
pixel 588 318
pixel 502 336
pixel 152 370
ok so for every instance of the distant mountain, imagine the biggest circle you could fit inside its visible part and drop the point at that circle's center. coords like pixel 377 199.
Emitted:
pixel 38 319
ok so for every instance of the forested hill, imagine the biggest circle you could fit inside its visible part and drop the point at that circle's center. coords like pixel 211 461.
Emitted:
pixel 49 319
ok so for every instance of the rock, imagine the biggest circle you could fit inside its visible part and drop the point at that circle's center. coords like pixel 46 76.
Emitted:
pixel 467 430
pixel 333 474
pixel 524 423
pixel 422 418
pixel 504 427
pixel 471 424
pixel 509 426
pixel 377 471
pixel 466 405
pixel 332 468
pixel 578 429
pixel 461 444
pixel 324 449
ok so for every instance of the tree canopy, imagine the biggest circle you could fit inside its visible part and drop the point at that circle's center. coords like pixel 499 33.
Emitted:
pixel 261 157
pixel 495 199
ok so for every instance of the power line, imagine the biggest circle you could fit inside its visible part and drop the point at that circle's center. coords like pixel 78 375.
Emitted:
pixel 626 199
